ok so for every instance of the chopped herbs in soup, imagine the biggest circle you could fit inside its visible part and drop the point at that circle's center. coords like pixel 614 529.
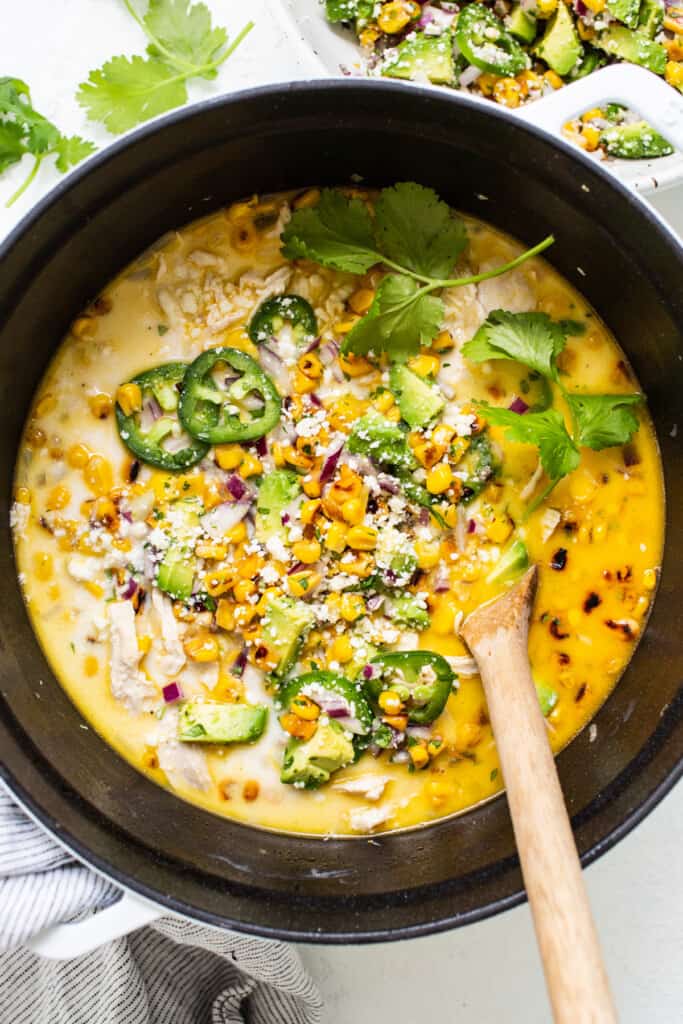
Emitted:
pixel 278 461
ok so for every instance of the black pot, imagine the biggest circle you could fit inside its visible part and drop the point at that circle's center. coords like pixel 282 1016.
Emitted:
pixel 609 244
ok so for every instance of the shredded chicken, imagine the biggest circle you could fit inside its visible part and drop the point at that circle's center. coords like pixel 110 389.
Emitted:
pixel 369 786
pixel 511 292
pixel 128 683
pixel 173 657
pixel 365 819
pixel 184 764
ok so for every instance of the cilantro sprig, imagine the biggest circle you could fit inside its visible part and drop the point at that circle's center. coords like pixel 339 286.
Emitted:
pixel 24 131
pixel 183 44
pixel 598 421
pixel 413 233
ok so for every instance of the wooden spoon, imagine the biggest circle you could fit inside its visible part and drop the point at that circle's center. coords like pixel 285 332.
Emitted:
pixel 497 635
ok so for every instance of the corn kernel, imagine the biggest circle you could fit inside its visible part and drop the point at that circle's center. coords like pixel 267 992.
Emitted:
pixel 352 607
pixel 202 647
pixel 674 48
pixel 340 650
pixel 545 8
pixel 84 327
pixel 353 511
pixel 46 405
pixel 301 584
pixel 145 644
pixel 553 79
pixel 58 498
pixel 309 510
pixel 435 746
pixel 362 538
pixel 251 465
pixel 671 24
pixel 592 114
pixel 428 553
pixel 384 401
pixel 674 73
pixel 355 366
pixel 306 551
pixel 469 734
pixel 228 456
pixel 398 722
pixel 100 406
pixel 91 665
pixel 309 364
pixel 225 615
pixel 307 200
pixel 418 755
pixel 586 32
pixel 346 325
pixel 499 529
pixel 362 566
pixel 394 414
pixel 439 479
pixel 508 92
pixel 96 590
pixel 213 552
pixel 23 496
pixel 220 581
pixel 591 138
pixel 244 236
pixel 335 538
pixel 394 16
pixel 582 486
pixel 250 566
pixel 361 300
pixel 98 475
pixel 129 398
pixel 369 36
pixel 439 791
pixel 298 727
pixel 238 534
pixel 243 590
pixel 425 365
pixel 303 707
pixel 77 456
pixel 390 702
pixel 442 342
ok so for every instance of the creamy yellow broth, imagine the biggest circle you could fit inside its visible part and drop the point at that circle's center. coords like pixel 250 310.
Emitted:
pixel 190 293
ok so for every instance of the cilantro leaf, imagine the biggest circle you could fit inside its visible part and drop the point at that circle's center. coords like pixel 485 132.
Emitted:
pixel 336 233
pixel 183 36
pixel 558 453
pixel 530 338
pixel 128 90
pixel 70 150
pixel 12 146
pixel 602 421
pixel 401 319
pixel 416 229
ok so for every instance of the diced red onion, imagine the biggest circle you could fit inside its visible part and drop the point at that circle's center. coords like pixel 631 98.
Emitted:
pixel 172 692
pixel 518 405
pixel 284 518
pixel 375 603
pixel 441 581
pixel 313 345
pixel 236 486
pixel 349 723
pixel 297 567
pixel 580 8
pixel 329 352
pixel 221 519
pixel 151 412
pixel 369 671
pixel 130 590
pixel 127 516
pixel 261 447
pixel 273 365
pixel 240 663
pixel 330 464
pixel 423 517
pixel 471 526
pixel 388 484
pixel 315 400
pixel 230 379
pixel 419 732
pixel 374 749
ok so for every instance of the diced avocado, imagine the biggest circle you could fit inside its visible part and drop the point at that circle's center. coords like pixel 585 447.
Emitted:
pixel 283 627
pixel 213 722
pixel 614 112
pixel 176 573
pixel 421 57
pixel 348 10
pixel 512 563
pixel 560 47
pixel 418 400
pixel 479 465
pixel 381 441
pixel 278 489
pixel 408 610
pixel 635 141
pixel 634 47
pixel 547 697
pixel 590 61
pixel 651 17
pixel 309 763
pixel 625 11
pixel 522 24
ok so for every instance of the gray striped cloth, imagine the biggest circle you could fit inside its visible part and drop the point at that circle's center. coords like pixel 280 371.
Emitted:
pixel 171 972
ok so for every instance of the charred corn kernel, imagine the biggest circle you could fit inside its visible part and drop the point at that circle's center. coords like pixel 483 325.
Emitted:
pixel 309 510
pixel 673 25
pixel 214 552
pixel 340 650
pixel 384 401
pixel 442 342
pixel 150 759
pixel 586 32
pixel 425 365
pixel 592 114
pixel 58 498
pixel 530 81
pixel 225 615
pixel 442 435
pixel 22 496
pixel 399 722
pixel 439 791
pixel 591 138
pixel 469 734
pixel 369 36
pixel 344 412
pixel 277 450
pixel 308 199
pixel 439 479
pixel 346 324
pixel 298 459
pixel 220 581
pixel 362 538
pixel 104 511
pixel 249 566
pixel 311 485
pixel 394 16
pixel 251 465
pixel 390 702
pixel 355 366
pixel 238 534
pixel 91 665
pixel 674 48
pixel 244 236
pixel 508 92
pixel 228 456
pixel 361 300
pixel 335 538
pixel 499 529
pixel 362 566
pixel 100 405
pixel 428 553
pixel 35 437
pixel 650 579
pixel 298 727
pixel 674 73
pixel 202 647
pixel 129 398
pixel 418 755
pixel 582 486
pixel 310 365
pixel 84 327
pixel 46 405
pixel 352 606
pixel 553 79
pixel 301 584
pixel 43 566
pixel 303 385
pixel 243 590
pixel 96 590
pixel 353 511
pixel 98 475
pixel 250 790
pixel 77 456
pixel 306 551
pixel 145 644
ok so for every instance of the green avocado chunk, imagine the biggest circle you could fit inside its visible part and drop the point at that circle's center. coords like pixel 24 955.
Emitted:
pixel 213 722
pixel 176 573
pixel 408 610
pixel 650 17
pixel 512 563
pixel 310 763
pixel 560 47
pixel 634 47
pixel 348 10
pixel 277 490
pixel 419 401
pixel 420 56
pixel 522 24
pixel 547 697
pixel 635 141
pixel 283 627
pixel 625 11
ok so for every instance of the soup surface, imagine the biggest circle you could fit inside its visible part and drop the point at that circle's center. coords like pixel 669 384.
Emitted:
pixel 235 569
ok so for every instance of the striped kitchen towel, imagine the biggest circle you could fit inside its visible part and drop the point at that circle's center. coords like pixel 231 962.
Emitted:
pixel 171 972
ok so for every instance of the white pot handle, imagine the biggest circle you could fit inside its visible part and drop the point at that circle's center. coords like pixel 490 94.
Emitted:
pixel 634 87
pixel 66 941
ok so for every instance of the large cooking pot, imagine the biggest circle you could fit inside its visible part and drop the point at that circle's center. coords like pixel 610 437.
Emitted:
pixel 609 244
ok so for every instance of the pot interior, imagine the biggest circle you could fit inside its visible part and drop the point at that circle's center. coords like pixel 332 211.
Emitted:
pixel 482 162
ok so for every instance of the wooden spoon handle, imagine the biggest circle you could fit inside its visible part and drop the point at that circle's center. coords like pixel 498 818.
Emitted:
pixel 575 975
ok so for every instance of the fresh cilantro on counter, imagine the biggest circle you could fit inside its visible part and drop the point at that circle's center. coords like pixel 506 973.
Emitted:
pixel 183 44
pixel 23 130
pixel 414 234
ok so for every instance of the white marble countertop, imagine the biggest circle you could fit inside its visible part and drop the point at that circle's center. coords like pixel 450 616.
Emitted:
pixel 488 973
